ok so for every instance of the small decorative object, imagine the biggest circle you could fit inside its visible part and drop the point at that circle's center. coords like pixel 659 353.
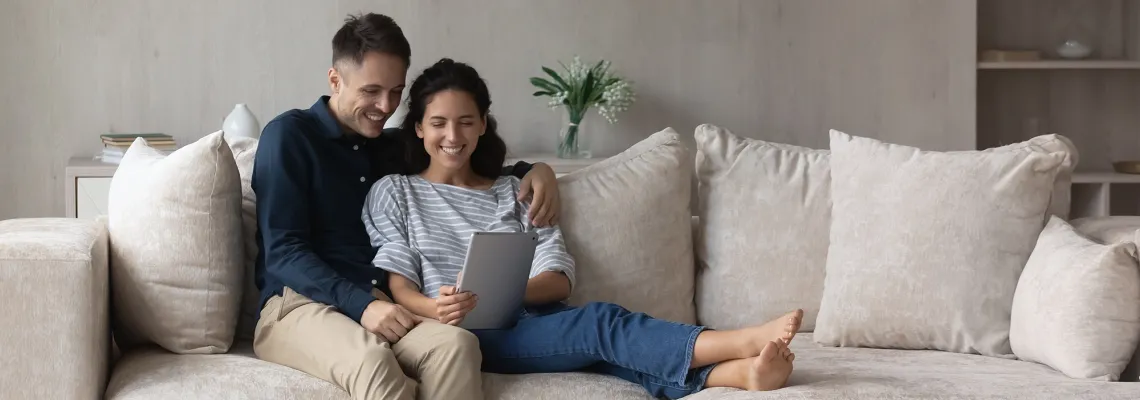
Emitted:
pixel 241 123
pixel 1073 49
pixel 1127 167
pixel 579 89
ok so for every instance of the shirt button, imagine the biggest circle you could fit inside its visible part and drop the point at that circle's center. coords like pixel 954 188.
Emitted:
pixel 355 147
pixel 362 179
pixel 373 281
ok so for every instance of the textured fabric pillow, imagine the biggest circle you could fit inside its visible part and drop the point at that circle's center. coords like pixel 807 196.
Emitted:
pixel 176 246
pixel 926 247
pixel 1061 200
pixel 1077 305
pixel 765 212
pixel 1113 230
pixel 628 224
pixel 244 150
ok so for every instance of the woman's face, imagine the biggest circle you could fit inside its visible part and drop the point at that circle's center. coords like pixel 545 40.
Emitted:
pixel 451 128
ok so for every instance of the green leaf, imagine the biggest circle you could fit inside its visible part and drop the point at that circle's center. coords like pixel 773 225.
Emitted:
pixel 556 77
pixel 544 84
pixel 587 89
pixel 542 93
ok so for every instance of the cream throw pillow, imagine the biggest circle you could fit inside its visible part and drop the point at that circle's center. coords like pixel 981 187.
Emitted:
pixel 765 213
pixel 628 225
pixel 245 150
pixel 1077 305
pixel 1112 230
pixel 926 247
pixel 176 246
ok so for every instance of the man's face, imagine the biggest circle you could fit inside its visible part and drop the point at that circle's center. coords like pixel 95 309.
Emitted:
pixel 366 94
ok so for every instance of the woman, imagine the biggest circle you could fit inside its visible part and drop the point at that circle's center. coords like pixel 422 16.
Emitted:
pixel 420 224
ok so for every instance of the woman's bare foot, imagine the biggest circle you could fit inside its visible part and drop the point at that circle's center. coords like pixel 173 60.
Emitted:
pixel 720 346
pixel 771 369
pixel 768 371
pixel 783 329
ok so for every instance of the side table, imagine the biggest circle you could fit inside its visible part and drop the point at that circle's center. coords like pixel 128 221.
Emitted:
pixel 87 184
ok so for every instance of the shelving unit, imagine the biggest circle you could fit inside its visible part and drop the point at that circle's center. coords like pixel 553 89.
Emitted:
pixel 1095 101
pixel 1060 64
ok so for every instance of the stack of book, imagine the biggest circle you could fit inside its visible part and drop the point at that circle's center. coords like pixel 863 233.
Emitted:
pixel 116 144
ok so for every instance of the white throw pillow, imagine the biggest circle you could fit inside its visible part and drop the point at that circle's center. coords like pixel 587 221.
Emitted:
pixel 765 213
pixel 245 150
pixel 176 246
pixel 1077 305
pixel 628 225
pixel 926 247
pixel 1113 230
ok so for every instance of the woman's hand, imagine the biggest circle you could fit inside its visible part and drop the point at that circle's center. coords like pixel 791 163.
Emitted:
pixel 545 207
pixel 451 307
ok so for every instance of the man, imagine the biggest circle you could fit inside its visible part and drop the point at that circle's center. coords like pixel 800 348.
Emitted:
pixel 324 310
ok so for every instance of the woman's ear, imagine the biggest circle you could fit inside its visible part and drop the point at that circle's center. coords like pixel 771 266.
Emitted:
pixel 419 130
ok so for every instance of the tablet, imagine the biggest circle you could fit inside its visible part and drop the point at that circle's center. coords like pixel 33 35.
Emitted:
pixel 497 269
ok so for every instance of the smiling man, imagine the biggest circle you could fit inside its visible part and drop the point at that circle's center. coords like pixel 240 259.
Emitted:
pixel 324 309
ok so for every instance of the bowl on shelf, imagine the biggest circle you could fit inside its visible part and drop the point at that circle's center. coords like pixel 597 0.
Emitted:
pixel 1073 50
pixel 1127 167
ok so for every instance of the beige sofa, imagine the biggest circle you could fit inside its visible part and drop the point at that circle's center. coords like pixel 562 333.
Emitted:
pixel 56 291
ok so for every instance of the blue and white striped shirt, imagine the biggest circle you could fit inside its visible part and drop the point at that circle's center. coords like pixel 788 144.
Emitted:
pixel 421 229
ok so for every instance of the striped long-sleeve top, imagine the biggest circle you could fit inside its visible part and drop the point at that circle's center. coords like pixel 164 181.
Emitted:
pixel 421 229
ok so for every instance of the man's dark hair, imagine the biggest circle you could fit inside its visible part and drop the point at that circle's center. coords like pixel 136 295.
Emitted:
pixel 490 152
pixel 370 32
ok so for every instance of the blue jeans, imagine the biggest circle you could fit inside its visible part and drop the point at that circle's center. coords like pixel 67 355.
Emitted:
pixel 598 337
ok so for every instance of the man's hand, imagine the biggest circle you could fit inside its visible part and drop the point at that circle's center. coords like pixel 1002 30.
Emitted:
pixel 387 320
pixel 546 204
pixel 451 307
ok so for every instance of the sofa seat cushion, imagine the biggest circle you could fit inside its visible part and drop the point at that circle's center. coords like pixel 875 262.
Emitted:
pixel 865 373
pixel 154 373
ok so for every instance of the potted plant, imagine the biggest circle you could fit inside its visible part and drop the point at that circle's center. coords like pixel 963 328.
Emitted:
pixel 579 88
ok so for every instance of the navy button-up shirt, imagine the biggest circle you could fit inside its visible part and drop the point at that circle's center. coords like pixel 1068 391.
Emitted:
pixel 311 178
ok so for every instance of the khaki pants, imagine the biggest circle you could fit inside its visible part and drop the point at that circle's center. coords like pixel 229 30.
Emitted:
pixel 315 338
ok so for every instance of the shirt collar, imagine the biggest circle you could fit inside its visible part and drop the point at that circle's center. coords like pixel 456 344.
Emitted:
pixel 330 127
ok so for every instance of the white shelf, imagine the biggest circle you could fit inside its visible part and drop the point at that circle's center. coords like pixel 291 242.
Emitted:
pixel 1105 177
pixel 1061 64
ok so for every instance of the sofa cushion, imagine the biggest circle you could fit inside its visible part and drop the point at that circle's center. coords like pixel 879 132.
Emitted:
pixel 245 150
pixel 1077 305
pixel 926 247
pixel 153 373
pixel 628 224
pixel 1108 230
pixel 864 373
pixel 765 212
pixel 176 246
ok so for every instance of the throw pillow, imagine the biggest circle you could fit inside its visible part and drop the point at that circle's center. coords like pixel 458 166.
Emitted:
pixel 926 247
pixel 1077 305
pixel 765 213
pixel 628 225
pixel 176 246
pixel 1113 230
pixel 245 149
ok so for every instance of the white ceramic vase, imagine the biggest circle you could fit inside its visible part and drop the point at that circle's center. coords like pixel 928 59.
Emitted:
pixel 241 123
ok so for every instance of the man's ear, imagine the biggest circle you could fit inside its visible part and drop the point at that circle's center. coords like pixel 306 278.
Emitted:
pixel 334 80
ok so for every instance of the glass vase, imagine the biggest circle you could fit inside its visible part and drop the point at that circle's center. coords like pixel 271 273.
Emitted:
pixel 572 141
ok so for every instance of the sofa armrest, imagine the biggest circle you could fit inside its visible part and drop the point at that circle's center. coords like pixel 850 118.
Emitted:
pixel 54 299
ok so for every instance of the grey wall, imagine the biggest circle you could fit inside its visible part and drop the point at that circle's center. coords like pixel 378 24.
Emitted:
pixel 781 70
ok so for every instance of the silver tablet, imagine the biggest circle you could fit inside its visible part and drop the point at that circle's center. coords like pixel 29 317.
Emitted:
pixel 497 269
